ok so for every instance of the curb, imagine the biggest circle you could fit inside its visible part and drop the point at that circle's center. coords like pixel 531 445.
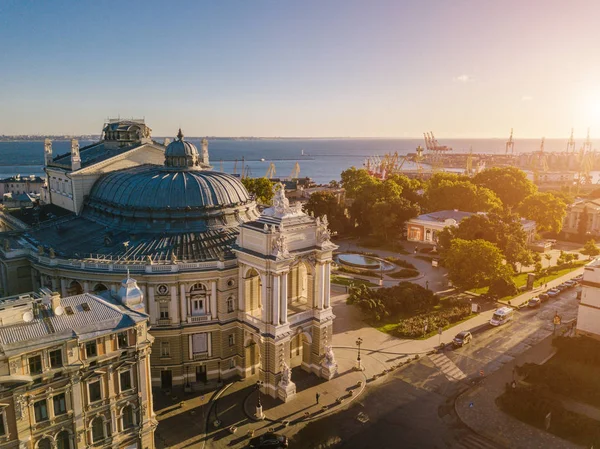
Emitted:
pixel 215 397
pixel 458 396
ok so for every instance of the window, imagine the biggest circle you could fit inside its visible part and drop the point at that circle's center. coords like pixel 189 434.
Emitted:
pixel 90 349
pixel 230 304
pixel 164 310
pixel 2 426
pixel 62 440
pixel 60 404
pixel 44 443
pixel 231 339
pixel 122 340
pixel 35 364
pixel 125 378
pixel 127 417
pixel 41 411
pixel 199 343
pixel 231 363
pixel 165 349
pixel 95 391
pixel 56 359
pixel 97 430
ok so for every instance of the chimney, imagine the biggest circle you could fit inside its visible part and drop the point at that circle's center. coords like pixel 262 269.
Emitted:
pixel 47 152
pixel 75 158
pixel 204 156
pixel 50 298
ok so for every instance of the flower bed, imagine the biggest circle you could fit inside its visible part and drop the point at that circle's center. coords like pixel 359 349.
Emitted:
pixel 404 273
pixel 414 327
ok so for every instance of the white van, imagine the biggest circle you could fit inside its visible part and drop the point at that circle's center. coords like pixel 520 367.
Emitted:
pixel 502 315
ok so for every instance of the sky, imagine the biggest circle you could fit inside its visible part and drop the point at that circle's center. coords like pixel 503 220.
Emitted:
pixel 335 68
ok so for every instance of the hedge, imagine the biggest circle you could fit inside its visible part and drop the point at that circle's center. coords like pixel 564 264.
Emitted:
pixel 414 327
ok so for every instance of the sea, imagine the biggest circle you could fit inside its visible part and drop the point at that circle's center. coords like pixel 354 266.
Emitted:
pixel 323 160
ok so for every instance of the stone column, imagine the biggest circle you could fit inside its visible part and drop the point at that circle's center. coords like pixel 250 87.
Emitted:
pixel 54 284
pixel 181 304
pixel 241 290
pixel 320 290
pixel 153 310
pixel 213 299
pixel 263 296
pixel 275 299
pixel 173 304
pixel 284 298
pixel 86 287
pixel 327 291
pixel 63 287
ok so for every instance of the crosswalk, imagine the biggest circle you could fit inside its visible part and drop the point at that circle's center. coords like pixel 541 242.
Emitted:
pixel 474 441
pixel 448 367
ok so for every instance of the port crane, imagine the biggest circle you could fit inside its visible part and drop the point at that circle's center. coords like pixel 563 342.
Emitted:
pixel 270 171
pixel 587 144
pixel 571 143
pixel 510 143
pixel 295 171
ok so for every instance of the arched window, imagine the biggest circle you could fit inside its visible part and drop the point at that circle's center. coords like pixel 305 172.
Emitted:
pixel 197 299
pixel 44 443
pixel 74 288
pixel 97 430
pixel 127 417
pixel 62 440
pixel 100 288
pixel 230 304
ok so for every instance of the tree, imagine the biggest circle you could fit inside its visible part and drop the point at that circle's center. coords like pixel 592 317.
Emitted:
pixel 261 188
pixel 354 179
pixel 582 224
pixel 545 209
pixel 461 195
pixel 387 218
pixel 475 263
pixel 548 257
pixel 509 183
pixel 590 249
pixel 326 203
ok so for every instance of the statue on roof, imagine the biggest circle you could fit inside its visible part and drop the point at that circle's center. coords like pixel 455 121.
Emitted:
pixel 280 202
pixel 280 247
pixel 323 232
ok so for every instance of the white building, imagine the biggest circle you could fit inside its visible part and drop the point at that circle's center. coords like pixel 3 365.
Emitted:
pixel 588 316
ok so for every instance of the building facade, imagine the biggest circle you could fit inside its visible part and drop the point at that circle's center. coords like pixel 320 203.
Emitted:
pixel 17 185
pixel 588 315
pixel 426 227
pixel 578 211
pixel 74 370
pixel 230 291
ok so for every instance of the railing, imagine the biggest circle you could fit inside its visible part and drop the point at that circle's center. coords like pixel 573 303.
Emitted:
pixel 163 322
pixel 198 319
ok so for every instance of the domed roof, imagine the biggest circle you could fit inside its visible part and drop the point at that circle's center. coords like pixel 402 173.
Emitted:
pixel 157 199
pixel 182 154
pixel 131 295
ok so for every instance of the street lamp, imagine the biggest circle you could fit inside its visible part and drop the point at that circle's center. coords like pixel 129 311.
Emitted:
pixel 259 411
pixel 358 343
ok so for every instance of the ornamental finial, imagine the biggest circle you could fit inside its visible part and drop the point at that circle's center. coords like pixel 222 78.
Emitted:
pixel 180 135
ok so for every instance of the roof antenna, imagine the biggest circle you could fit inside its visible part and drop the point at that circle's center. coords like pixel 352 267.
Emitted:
pixel 128 274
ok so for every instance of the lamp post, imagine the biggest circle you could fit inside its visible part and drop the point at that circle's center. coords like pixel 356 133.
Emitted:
pixel 358 343
pixel 259 410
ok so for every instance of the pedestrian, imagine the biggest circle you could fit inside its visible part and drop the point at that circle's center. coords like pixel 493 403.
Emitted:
pixel 317 396
pixel 545 286
pixel 427 285
pixel 415 250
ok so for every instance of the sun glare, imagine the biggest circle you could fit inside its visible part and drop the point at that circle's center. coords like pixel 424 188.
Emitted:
pixel 592 108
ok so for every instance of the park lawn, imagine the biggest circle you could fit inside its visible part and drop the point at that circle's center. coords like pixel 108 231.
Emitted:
pixel 520 279
pixel 348 281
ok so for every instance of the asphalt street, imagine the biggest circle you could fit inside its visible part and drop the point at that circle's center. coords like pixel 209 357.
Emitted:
pixel 414 407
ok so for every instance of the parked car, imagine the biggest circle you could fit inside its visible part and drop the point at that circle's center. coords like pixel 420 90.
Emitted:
pixel 534 302
pixel 570 283
pixel 544 296
pixel 462 338
pixel 561 287
pixel 579 277
pixel 269 441
pixel 553 293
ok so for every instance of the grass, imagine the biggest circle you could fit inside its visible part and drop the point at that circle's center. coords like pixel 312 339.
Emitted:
pixel 380 244
pixel 349 281
pixel 404 273
pixel 520 280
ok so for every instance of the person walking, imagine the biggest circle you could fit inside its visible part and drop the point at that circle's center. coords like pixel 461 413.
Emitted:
pixel 317 396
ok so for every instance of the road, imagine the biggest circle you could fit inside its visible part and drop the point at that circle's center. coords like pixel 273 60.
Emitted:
pixel 414 407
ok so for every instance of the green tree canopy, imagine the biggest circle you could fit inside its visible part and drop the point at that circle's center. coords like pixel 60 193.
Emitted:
pixel 475 263
pixel 545 209
pixel 326 203
pixel 509 183
pixel 590 248
pixel 354 179
pixel 461 195
pixel 261 188
pixel 387 218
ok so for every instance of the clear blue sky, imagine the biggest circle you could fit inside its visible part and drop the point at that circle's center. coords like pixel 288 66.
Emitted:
pixel 302 68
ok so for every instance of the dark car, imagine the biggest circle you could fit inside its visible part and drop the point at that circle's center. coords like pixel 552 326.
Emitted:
pixel 462 338
pixel 544 296
pixel 269 441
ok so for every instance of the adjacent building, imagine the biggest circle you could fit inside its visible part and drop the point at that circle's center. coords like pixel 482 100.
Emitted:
pixel 589 210
pixel 17 185
pixel 74 371
pixel 425 228
pixel 588 315
pixel 230 291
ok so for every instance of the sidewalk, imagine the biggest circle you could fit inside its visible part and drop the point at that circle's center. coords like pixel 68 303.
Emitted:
pixel 477 408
